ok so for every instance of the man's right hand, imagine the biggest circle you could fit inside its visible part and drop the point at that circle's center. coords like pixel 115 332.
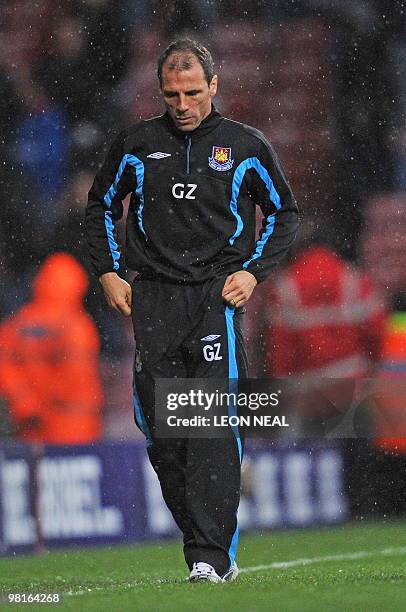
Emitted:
pixel 117 291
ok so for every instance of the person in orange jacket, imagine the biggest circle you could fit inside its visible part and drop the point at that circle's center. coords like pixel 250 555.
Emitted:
pixel 390 421
pixel 49 360
pixel 386 467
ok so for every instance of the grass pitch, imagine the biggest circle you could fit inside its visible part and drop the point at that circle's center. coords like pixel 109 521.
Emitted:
pixel 356 567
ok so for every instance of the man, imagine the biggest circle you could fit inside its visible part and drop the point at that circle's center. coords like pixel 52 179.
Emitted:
pixel 195 178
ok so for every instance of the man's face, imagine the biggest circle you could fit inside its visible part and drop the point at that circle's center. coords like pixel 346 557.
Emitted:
pixel 187 95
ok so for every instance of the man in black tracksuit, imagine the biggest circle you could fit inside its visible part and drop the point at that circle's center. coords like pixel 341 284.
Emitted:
pixel 195 180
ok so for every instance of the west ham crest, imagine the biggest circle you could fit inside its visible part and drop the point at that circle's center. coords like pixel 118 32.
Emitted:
pixel 221 159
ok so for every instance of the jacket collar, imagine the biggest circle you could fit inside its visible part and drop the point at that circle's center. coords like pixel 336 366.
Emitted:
pixel 207 125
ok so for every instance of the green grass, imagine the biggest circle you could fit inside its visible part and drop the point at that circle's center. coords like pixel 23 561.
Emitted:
pixel 152 578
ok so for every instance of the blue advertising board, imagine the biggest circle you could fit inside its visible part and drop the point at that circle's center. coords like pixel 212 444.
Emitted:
pixel 108 493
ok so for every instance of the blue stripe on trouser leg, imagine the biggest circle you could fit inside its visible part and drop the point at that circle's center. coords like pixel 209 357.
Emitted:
pixel 232 411
pixel 139 416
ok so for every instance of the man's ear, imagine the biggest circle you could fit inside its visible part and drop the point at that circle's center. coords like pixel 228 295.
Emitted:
pixel 213 86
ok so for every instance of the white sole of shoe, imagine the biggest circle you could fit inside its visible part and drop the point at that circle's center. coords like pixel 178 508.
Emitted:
pixel 204 579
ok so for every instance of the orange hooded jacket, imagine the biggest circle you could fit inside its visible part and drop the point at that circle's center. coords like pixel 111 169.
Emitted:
pixel 391 402
pixel 49 359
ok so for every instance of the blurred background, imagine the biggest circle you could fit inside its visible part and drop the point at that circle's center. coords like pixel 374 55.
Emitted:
pixel 325 81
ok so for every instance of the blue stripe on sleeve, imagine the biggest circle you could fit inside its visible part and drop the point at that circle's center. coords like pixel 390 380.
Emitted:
pixel 235 192
pixel 111 194
pixel 115 253
pixel 242 168
pixel 261 243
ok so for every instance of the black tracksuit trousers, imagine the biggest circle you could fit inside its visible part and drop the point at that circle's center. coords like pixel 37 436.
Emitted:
pixel 200 478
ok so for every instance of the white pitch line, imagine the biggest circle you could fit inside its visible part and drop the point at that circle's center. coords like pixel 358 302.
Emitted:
pixel 361 554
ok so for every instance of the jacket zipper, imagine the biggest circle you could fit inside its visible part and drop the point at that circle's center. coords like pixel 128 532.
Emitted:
pixel 188 140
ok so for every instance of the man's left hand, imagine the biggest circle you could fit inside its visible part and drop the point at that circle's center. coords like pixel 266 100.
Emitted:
pixel 238 288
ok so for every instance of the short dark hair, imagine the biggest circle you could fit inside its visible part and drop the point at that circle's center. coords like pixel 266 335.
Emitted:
pixel 185 46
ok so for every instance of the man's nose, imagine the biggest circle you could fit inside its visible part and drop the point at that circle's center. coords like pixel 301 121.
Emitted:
pixel 182 104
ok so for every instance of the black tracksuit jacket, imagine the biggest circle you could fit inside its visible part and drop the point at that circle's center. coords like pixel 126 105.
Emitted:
pixel 191 216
